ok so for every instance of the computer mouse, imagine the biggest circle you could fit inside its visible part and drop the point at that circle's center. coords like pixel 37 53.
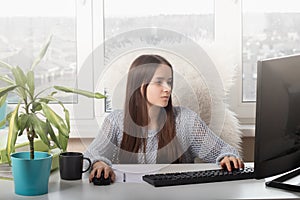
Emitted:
pixel 232 167
pixel 101 180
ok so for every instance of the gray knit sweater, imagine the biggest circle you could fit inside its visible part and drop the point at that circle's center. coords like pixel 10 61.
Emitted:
pixel 194 136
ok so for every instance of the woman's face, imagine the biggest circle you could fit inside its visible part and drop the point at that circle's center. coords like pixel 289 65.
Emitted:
pixel 160 87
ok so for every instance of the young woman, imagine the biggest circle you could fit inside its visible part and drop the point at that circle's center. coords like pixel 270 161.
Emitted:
pixel 151 130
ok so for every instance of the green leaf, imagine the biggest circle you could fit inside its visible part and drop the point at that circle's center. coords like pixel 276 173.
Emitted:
pixel 8 115
pixel 5 90
pixel 81 92
pixel 2 123
pixel 5 65
pixel 52 134
pixel 67 117
pixel 53 93
pixel 2 102
pixel 48 99
pixel 36 106
pixel 63 140
pixel 55 120
pixel 41 55
pixel 20 80
pixel 12 132
pixel 30 82
pixel 19 76
pixel 23 122
pixel 40 128
pixel 7 80
pixel 3 99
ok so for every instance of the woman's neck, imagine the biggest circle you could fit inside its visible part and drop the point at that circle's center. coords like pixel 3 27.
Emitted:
pixel 153 112
pixel 155 117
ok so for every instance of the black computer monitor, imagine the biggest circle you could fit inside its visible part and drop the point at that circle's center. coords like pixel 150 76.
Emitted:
pixel 277 133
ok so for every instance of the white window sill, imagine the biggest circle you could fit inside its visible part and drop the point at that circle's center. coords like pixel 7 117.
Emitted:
pixel 248 130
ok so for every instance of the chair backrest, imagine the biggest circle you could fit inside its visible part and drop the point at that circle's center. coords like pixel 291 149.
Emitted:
pixel 208 107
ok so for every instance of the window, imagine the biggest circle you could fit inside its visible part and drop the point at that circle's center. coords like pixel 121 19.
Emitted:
pixel 242 30
pixel 270 29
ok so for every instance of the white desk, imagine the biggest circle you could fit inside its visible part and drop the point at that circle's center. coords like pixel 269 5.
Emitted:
pixel 82 189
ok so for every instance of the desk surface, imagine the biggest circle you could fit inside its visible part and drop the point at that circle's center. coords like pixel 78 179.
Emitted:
pixel 82 189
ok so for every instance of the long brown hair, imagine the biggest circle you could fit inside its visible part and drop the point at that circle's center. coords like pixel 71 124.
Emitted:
pixel 136 116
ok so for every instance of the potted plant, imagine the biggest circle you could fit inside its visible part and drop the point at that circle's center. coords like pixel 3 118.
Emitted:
pixel 34 117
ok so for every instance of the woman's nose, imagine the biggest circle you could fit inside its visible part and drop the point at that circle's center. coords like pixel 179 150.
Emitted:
pixel 166 86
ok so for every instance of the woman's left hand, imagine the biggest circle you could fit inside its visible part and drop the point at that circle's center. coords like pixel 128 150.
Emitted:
pixel 230 162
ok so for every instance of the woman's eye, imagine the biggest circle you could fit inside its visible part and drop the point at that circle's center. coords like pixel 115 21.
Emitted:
pixel 162 83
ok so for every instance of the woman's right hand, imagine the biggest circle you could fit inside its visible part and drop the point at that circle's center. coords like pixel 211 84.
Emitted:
pixel 100 166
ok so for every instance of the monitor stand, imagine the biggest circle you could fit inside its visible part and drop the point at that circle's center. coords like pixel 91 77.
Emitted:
pixel 279 182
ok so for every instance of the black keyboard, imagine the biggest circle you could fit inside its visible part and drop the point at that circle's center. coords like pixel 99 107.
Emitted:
pixel 195 177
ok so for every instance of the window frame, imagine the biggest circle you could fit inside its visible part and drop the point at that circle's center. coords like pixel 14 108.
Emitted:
pixel 231 11
pixel 90 36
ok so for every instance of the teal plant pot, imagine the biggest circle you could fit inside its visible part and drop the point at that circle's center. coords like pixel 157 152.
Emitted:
pixel 3 113
pixel 31 177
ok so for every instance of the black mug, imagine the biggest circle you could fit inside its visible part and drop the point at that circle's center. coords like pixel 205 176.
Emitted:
pixel 71 164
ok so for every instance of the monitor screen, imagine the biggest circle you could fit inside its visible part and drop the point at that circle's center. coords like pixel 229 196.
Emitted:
pixel 277 131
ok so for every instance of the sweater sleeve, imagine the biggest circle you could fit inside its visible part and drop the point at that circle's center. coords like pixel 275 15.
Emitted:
pixel 104 146
pixel 205 144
